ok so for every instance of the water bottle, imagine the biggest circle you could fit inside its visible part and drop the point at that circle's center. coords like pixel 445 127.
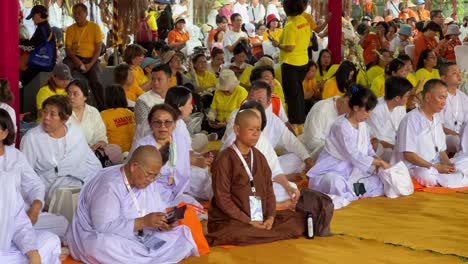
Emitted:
pixel 309 232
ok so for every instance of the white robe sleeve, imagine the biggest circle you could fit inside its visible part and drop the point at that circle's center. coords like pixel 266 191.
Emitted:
pixel 407 139
pixel 292 144
pixel 106 215
pixel 24 236
pixel 230 126
pixel 32 186
pixel 27 147
pixel 315 131
pixel 100 133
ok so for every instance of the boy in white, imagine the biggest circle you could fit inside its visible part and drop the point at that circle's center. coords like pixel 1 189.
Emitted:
pixel 387 115
pixel 456 106
pixel 421 141
pixel 233 37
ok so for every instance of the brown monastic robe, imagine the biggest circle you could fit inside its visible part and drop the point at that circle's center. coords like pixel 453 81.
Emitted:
pixel 229 214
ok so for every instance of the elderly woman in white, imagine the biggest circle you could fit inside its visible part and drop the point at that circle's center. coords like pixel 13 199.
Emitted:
pixel 57 149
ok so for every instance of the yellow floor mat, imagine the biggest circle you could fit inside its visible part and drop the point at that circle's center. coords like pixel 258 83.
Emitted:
pixel 423 221
pixel 333 250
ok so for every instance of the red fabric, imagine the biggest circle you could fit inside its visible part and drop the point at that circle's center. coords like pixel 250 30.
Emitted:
pixel 276 104
pixel 418 187
pixel 334 40
pixel 9 49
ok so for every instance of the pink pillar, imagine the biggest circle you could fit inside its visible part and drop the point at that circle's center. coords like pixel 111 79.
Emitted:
pixel 9 49
pixel 334 29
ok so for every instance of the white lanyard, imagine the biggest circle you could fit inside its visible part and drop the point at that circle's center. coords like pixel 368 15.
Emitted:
pixel 455 110
pixel 433 134
pixel 140 211
pixel 54 159
pixel 246 167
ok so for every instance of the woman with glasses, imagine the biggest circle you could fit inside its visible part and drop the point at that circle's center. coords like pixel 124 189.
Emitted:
pixel 175 173
pixel 425 69
pixel 57 149
pixel 134 55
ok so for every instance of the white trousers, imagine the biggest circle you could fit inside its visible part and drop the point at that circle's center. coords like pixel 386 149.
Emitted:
pixel 49 249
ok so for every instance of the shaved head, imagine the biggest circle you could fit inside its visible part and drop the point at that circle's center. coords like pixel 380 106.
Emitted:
pixel 244 115
pixel 146 155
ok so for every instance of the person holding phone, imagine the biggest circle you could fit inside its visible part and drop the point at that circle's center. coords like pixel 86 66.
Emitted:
pixel 121 217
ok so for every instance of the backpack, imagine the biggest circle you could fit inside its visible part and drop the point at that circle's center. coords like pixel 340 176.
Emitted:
pixel 144 33
pixel 42 57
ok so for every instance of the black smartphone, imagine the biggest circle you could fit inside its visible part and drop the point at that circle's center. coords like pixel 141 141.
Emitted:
pixel 175 214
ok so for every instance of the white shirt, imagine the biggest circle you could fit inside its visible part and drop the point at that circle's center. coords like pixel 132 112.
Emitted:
pixel 229 38
pixel 143 106
pixel 58 16
pixel 241 9
pixel 318 123
pixel 11 112
pixel 419 135
pixel 456 107
pixel 392 7
pixel 397 43
pixel 282 113
pixel 256 14
pixel 177 11
pixel 384 124
pixel 92 125
pixel 272 9
pixel 464 33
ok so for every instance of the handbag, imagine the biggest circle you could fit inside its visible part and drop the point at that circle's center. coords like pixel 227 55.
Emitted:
pixel 103 158
pixel 396 180
pixel 42 57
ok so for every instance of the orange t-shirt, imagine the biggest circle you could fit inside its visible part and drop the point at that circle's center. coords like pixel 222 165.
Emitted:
pixel 120 126
pixel 212 34
pixel 405 16
pixel 370 44
pixel 449 53
pixel 421 42
pixel 423 15
pixel 176 36
pixel 258 49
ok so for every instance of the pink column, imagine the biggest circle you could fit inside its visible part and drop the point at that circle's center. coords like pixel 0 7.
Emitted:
pixel 9 49
pixel 334 29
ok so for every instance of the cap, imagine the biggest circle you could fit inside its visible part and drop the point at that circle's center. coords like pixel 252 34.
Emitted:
pixel 420 2
pixel 164 2
pixel 62 72
pixel 366 18
pixel 38 9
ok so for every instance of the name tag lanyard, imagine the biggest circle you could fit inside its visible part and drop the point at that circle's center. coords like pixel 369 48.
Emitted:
pixel 54 159
pixel 433 128
pixel 140 211
pixel 246 167
pixel 455 110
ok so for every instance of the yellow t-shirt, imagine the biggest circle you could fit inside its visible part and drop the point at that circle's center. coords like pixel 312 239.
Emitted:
pixel 378 86
pixel 308 85
pixel 427 75
pixel 173 81
pixel 224 104
pixel 120 126
pixel 245 76
pixel 82 40
pixel 139 76
pixel 374 72
pixel 311 20
pixel 330 89
pixel 208 80
pixel 296 33
pixel 133 92
pixel 412 79
pixel 330 73
pixel 45 92
pixel 152 20
pixel 275 34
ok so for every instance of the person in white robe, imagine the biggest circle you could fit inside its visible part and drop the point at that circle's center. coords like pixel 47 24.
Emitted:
pixel 456 106
pixel 286 192
pixel 160 83
pixel 121 217
pixel 386 117
pixel 297 158
pixel 19 242
pixel 57 149
pixel 175 149
pixel 180 98
pixel 348 159
pixel 319 121
pixel 241 7
pixel 421 141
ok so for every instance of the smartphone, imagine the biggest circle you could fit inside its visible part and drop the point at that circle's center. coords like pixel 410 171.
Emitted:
pixel 175 214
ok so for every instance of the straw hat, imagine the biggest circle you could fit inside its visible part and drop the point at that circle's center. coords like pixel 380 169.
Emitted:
pixel 167 57
pixel 265 61
pixel 217 5
pixel 227 81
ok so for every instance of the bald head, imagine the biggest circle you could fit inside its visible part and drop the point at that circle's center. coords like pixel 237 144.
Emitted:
pixel 244 116
pixel 146 155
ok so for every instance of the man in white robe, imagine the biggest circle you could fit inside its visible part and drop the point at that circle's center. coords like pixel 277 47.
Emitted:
pixel 456 106
pixel 19 242
pixel 241 7
pixel 160 82
pixel 120 217
pixel 297 158
pixel 421 141
pixel 387 115
pixel 319 121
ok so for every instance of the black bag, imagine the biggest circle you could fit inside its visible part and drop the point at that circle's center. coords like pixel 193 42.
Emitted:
pixel 103 158
pixel 315 46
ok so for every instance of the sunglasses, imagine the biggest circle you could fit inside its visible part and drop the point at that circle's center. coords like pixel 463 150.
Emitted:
pixel 160 123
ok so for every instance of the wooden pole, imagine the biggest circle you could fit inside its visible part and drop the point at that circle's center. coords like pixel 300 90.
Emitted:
pixel 115 30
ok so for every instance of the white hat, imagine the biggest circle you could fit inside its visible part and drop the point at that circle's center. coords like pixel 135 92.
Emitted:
pixel 227 81
pixel 453 29
pixel 448 20
pixel 226 2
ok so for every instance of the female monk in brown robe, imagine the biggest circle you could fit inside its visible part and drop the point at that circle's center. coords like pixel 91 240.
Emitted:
pixel 229 217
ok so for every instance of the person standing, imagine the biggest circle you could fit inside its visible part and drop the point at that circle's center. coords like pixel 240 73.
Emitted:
pixel 59 19
pixel 83 46
pixel 256 12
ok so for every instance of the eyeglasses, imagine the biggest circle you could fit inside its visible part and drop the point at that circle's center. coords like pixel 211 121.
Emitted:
pixel 160 123
pixel 149 176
